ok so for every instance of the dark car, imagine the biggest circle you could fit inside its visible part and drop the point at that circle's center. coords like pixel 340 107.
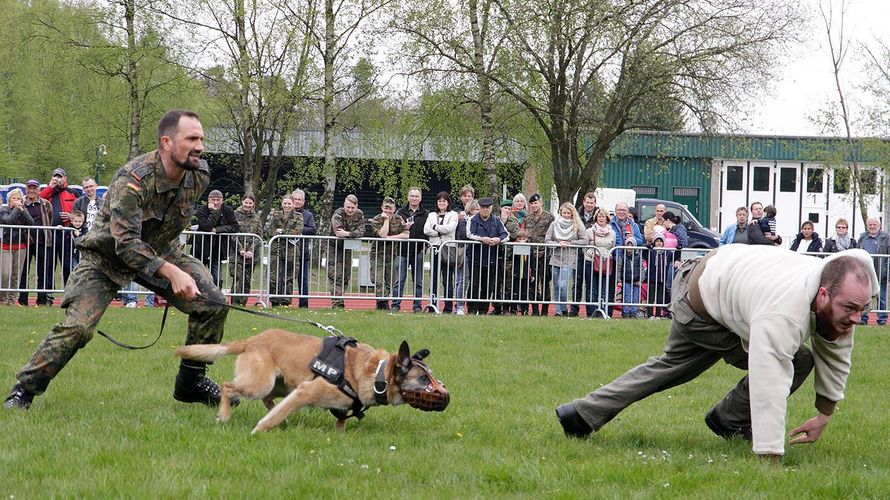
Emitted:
pixel 699 236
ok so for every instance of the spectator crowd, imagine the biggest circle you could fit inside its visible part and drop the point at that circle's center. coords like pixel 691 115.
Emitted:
pixel 586 258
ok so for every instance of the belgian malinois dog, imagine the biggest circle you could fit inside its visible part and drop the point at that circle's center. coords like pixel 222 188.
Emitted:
pixel 276 363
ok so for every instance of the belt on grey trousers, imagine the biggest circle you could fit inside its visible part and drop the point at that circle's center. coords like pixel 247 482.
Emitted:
pixel 693 293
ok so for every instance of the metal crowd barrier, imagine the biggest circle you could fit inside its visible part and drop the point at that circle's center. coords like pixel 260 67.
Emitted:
pixel 461 277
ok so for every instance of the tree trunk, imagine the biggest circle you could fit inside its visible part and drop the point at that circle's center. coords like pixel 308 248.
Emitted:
pixel 484 96
pixel 326 207
pixel 132 77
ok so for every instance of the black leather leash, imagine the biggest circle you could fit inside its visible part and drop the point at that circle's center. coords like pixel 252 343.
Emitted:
pixel 329 328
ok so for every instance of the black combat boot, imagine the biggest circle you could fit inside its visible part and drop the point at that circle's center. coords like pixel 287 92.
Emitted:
pixel 20 398
pixel 193 387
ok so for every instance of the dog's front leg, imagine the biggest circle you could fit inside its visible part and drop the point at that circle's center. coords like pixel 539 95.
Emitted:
pixel 305 393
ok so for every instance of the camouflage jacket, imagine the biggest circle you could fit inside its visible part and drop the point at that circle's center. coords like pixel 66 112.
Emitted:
pixel 512 226
pixel 248 222
pixel 291 223
pixel 396 226
pixel 537 226
pixel 137 229
pixel 355 224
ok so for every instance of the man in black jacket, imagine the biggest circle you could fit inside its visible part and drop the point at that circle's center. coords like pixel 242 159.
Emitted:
pixel 411 253
pixel 216 218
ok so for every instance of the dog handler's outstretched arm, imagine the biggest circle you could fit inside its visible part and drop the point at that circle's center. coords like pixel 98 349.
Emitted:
pixel 182 284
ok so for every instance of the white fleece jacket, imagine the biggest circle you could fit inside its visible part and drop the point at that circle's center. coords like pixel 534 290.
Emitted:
pixel 763 294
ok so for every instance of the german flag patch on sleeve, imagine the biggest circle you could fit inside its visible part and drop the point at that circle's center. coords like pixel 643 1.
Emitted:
pixel 135 187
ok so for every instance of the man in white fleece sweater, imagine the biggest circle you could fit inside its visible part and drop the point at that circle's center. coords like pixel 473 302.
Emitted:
pixel 754 307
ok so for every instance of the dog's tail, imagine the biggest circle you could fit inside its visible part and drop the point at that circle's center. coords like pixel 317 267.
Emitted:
pixel 211 352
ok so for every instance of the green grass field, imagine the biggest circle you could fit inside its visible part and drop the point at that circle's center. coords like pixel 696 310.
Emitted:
pixel 108 426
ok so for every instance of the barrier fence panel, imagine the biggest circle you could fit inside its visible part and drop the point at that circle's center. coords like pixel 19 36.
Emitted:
pixel 459 277
pixel 34 259
pixel 341 269
pixel 235 261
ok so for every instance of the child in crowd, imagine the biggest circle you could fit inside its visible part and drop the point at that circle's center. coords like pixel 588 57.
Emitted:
pixel 80 230
pixel 521 275
pixel 768 223
pixel 660 273
pixel 631 277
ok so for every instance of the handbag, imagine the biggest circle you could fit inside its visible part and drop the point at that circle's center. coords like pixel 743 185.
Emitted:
pixel 601 265
pixel 452 255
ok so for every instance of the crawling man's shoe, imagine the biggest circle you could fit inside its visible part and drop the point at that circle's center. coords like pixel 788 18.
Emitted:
pixel 719 427
pixel 572 424
pixel 20 398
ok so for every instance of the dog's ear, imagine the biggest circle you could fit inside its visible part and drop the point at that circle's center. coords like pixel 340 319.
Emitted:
pixel 404 357
pixel 421 354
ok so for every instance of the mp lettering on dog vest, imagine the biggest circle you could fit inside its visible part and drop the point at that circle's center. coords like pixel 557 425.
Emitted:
pixel 328 372
pixel 328 364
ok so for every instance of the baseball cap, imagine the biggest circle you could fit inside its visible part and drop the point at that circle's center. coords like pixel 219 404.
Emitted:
pixel 388 202
pixel 60 172
pixel 216 193
pixel 486 202
pixel 535 197
pixel 33 182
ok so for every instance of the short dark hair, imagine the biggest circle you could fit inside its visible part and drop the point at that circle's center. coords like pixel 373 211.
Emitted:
pixel 837 270
pixel 169 124
pixel 770 211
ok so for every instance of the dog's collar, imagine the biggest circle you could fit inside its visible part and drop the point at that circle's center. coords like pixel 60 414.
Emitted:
pixel 380 384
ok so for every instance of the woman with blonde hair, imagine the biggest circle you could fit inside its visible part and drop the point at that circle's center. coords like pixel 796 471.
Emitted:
pixel 14 248
pixel 568 231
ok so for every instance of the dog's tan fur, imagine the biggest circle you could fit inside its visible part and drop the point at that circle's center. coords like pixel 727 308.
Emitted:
pixel 275 363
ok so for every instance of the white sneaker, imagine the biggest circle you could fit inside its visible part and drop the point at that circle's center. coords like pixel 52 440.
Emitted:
pixel 131 305
pixel 460 312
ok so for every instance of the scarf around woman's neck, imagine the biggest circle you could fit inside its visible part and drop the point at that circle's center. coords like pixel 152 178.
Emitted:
pixel 843 243
pixel 601 231
pixel 564 229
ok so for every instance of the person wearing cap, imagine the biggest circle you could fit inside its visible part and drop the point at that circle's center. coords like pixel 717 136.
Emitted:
pixel 659 275
pixel 388 226
pixel 724 311
pixel 136 237
pixel 214 218
pixel 62 199
pixel 537 222
pixel 40 246
pixel 283 251
pixel 411 253
pixel 486 259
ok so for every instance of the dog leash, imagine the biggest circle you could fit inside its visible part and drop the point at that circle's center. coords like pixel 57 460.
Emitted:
pixel 330 329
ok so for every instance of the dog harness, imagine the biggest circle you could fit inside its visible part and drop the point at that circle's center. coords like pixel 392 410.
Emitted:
pixel 329 364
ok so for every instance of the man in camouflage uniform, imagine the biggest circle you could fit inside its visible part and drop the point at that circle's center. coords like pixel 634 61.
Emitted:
pixel 387 226
pixel 246 250
pixel 346 222
pixel 537 222
pixel 136 237
pixel 284 252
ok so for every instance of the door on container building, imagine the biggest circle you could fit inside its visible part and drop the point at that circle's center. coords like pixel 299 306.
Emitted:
pixel 761 185
pixel 788 200
pixel 733 190
pixel 814 202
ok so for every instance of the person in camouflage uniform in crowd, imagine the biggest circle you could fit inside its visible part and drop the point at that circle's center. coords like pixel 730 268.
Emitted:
pixel 504 283
pixel 537 221
pixel 136 237
pixel 387 226
pixel 284 252
pixel 346 222
pixel 246 250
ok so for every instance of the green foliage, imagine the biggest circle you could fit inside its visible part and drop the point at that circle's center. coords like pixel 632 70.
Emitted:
pixel 108 426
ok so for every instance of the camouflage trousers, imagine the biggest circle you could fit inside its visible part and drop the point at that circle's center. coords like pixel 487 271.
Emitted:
pixel 241 272
pixel 88 292
pixel 339 272
pixel 282 269
pixel 383 266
